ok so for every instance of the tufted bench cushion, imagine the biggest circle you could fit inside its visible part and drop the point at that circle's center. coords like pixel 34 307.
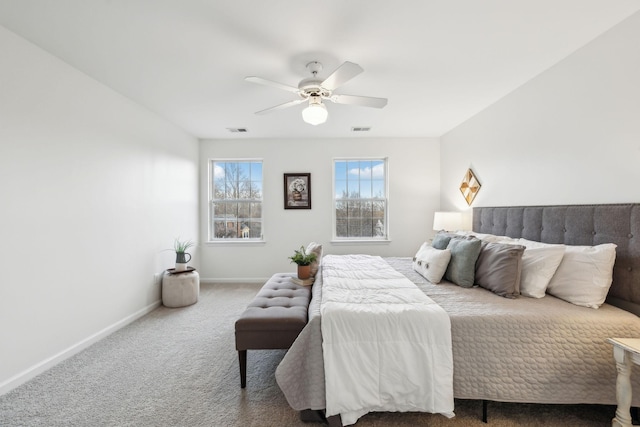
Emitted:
pixel 273 319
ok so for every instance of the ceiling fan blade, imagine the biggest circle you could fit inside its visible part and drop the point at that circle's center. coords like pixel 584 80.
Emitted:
pixel 365 101
pixel 261 81
pixel 282 106
pixel 341 75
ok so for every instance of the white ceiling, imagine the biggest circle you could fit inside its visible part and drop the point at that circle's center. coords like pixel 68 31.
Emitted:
pixel 438 62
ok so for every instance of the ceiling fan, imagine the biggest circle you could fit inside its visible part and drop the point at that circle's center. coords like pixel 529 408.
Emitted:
pixel 314 91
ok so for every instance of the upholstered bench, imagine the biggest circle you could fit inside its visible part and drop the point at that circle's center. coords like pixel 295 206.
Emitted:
pixel 273 319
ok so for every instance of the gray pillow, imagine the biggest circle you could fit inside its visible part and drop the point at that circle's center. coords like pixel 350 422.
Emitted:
pixel 499 267
pixel 441 241
pixel 464 254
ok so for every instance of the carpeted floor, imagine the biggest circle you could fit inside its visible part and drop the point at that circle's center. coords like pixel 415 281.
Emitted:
pixel 178 367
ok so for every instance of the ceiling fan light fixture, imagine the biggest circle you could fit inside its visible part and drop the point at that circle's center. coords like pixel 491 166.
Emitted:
pixel 316 113
pixel 314 90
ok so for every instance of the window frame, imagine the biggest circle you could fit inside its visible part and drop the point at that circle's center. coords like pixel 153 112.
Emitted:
pixel 367 239
pixel 211 200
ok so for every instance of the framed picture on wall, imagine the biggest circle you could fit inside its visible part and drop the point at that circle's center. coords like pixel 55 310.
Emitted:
pixel 297 191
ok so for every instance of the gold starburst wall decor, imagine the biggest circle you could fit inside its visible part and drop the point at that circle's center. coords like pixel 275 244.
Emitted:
pixel 470 186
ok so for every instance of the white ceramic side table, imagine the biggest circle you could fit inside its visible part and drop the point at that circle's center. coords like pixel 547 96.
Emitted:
pixel 180 289
pixel 625 352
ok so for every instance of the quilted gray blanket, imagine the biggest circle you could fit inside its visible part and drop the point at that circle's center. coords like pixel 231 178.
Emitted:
pixel 510 350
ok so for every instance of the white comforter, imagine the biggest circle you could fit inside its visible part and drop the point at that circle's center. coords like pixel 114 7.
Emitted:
pixel 386 345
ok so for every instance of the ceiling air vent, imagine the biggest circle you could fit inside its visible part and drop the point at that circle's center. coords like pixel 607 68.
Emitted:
pixel 360 129
pixel 236 130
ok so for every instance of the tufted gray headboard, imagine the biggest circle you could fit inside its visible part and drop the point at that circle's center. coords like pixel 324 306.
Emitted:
pixel 578 225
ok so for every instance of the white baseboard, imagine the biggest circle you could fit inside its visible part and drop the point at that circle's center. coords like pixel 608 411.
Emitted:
pixel 41 367
pixel 209 280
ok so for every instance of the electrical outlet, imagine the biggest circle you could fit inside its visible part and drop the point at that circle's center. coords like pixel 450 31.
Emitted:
pixel 157 279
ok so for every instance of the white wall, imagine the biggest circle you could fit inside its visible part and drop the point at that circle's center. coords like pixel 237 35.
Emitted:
pixel 414 191
pixel 92 188
pixel 569 136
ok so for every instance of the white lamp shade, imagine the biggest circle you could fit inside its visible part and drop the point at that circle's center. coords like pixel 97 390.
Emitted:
pixel 315 114
pixel 447 221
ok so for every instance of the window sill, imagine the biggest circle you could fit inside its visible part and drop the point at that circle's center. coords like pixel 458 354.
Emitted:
pixel 360 242
pixel 235 242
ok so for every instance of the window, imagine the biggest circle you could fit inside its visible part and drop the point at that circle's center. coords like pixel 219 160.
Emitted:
pixel 235 200
pixel 360 199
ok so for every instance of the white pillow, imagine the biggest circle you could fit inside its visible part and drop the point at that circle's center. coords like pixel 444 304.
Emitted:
pixel 431 263
pixel 584 275
pixel 422 248
pixel 539 263
pixel 490 238
pixel 481 236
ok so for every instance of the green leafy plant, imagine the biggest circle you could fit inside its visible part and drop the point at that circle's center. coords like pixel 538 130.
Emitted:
pixel 182 246
pixel 301 257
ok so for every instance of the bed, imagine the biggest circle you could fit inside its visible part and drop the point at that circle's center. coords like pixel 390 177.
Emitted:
pixel 528 350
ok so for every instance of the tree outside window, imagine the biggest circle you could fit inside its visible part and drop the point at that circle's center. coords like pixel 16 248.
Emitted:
pixel 235 199
pixel 360 199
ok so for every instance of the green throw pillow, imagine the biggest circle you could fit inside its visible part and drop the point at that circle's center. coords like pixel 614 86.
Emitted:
pixel 441 241
pixel 464 254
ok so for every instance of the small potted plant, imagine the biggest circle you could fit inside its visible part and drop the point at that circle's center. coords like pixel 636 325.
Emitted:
pixel 304 260
pixel 181 253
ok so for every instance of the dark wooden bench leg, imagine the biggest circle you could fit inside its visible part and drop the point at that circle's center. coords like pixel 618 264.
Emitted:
pixel 484 411
pixel 242 358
